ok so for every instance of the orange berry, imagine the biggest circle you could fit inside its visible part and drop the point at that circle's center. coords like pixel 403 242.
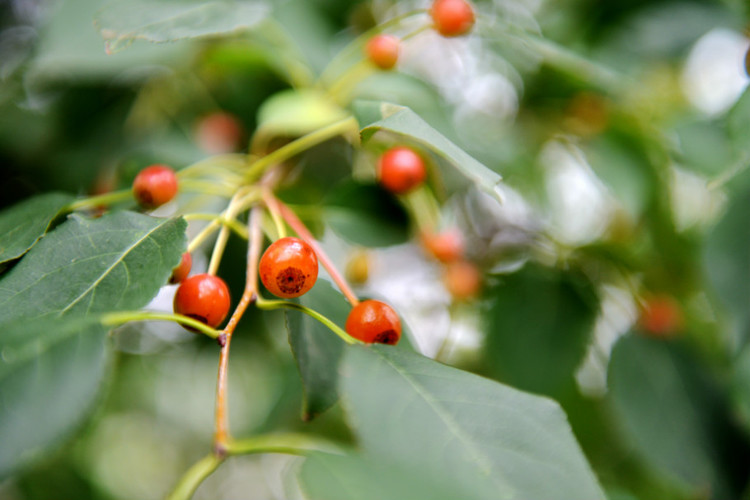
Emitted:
pixel 203 297
pixel 446 246
pixel 372 321
pixel 462 279
pixel 661 316
pixel 383 50
pixel 289 267
pixel 401 170
pixel 154 186
pixel 219 133
pixel 452 17
pixel 182 270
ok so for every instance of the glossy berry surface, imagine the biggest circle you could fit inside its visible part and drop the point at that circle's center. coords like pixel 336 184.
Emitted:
pixel 372 321
pixel 400 170
pixel 462 279
pixel 452 17
pixel 446 246
pixel 182 270
pixel 203 297
pixel 382 50
pixel 154 186
pixel 289 267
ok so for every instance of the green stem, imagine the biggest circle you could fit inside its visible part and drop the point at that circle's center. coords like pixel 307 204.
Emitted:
pixel 194 476
pixel 288 443
pixel 236 206
pixel 269 305
pixel 102 199
pixel 423 208
pixel 235 226
pixel 118 318
pixel 258 167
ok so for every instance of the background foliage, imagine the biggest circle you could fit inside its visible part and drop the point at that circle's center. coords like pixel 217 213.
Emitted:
pixel 620 130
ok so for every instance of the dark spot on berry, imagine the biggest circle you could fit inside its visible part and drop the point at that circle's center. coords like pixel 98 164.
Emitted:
pixel 290 280
pixel 387 337
pixel 145 198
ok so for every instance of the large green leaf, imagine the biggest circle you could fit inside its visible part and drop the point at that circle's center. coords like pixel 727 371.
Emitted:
pixel 336 477
pixel 672 414
pixel 123 21
pixel 453 426
pixel 539 325
pixel 317 349
pixel 365 214
pixel 376 116
pixel 115 262
pixel 23 224
pixel 50 373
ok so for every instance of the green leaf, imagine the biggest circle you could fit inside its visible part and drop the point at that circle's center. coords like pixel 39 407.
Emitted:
pixel 317 349
pixel 118 261
pixel 335 477
pixel 738 124
pixel 671 413
pixel 23 224
pixel 123 21
pixel 539 325
pixel 50 373
pixel 293 113
pixel 377 116
pixel 365 214
pixel 450 424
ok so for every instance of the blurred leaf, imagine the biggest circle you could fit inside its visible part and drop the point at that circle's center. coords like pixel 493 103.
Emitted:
pixel 738 125
pixel 317 349
pixel 50 373
pixel 23 224
pixel 335 477
pixel 671 413
pixel 297 112
pixel 123 21
pixel 365 214
pixel 727 259
pixel 118 261
pixel 540 323
pixel 455 427
pixel 376 116
pixel 705 146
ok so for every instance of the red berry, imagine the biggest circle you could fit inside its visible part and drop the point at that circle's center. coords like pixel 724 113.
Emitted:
pixel 462 279
pixel 661 316
pixel 289 267
pixel 154 186
pixel 401 170
pixel 219 133
pixel 182 270
pixel 203 297
pixel 446 246
pixel 374 321
pixel 383 50
pixel 452 17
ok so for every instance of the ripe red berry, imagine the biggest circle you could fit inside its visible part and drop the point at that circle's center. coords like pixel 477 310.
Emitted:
pixel 374 321
pixel 203 297
pixel 383 50
pixel 289 267
pixel 400 170
pixel 219 133
pixel 154 186
pixel 182 270
pixel 661 316
pixel 462 279
pixel 452 17
pixel 446 246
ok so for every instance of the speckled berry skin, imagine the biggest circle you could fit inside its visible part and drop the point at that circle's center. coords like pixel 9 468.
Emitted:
pixel 452 17
pixel 401 170
pixel 382 50
pixel 372 321
pixel 182 270
pixel 203 297
pixel 289 267
pixel 154 186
